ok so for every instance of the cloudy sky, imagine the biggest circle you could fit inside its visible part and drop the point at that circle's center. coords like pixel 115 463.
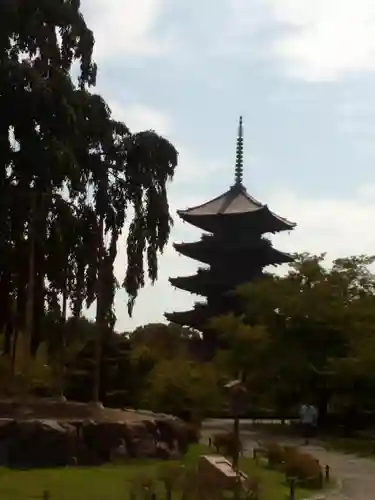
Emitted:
pixel 302 74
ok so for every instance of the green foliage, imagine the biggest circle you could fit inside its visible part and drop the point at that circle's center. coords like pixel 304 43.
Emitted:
pixel 246 345
pixel 275 454
pixel 305 468
pixel 181 385
pixel 320 324
pixel 193 432
pixel 119 482
pixel 15 380
pixel 71 176
pixel 300 466
pixel 225 443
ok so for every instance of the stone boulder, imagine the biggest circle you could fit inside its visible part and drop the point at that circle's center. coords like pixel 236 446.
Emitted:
pixel 38 443
pixel 174 433
pixel 31 443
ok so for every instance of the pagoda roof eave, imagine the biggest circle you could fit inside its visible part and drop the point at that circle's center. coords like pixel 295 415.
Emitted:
pixel 188 283
pixel 288 257
pixel 201 244
pixel 195 250
pixel 225 204
pixel 204 282
pixel 180 320
pixel 288 224
pixel 193 318
pixel 235 201
pixel 209 222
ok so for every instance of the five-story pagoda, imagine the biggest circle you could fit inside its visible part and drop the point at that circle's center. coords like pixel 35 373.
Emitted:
pixel 233 248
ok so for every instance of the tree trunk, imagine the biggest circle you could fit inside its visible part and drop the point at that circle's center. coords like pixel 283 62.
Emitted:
pixel 99 319
pixel 30 293
pixel 323 400
pixel 62 350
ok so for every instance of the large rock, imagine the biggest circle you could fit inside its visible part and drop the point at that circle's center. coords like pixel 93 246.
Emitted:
pixel 31 443
pixel 38 443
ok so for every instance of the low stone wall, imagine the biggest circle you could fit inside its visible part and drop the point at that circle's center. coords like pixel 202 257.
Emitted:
pixel 28 442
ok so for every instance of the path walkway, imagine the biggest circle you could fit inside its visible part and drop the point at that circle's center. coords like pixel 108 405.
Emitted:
pixel 356 476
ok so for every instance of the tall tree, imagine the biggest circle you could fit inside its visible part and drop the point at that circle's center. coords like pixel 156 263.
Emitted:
pixel 70 175
pixel 319 319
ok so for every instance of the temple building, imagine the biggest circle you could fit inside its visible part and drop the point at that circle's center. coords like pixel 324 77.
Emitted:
pixel 233 248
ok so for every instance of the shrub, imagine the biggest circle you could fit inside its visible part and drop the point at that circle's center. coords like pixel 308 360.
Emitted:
pixel 181 435
pixel 193 432
pixel 275 454
pixel 251 488
pixel 225 443
pixel 290 452
pixel 305 468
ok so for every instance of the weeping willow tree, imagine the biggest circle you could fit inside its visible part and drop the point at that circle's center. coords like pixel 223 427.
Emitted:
pixel 71 176
pixel 128 173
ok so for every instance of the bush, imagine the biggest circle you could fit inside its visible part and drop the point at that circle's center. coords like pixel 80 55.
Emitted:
pixel 183 388
pixel 180 433
pixel 275 454
pixel 301 466
pixel 305 468
pixel 290 452
pixel 225 443
pixel 193 432
pixel 251 488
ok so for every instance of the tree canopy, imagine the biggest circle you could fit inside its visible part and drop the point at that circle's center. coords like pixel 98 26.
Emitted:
pixel 320 327
pixel 72 176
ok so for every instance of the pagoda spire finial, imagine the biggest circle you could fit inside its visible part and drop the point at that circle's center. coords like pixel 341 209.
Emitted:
pixel 238 172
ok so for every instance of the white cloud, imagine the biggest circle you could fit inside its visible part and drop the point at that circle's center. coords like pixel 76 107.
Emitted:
pixel 315 39
pixel 367 192
pixel 139 117
pixel 125 27
pixel 340 227
pixel 325 39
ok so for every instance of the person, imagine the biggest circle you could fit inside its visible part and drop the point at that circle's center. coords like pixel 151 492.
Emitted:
pixel 309 420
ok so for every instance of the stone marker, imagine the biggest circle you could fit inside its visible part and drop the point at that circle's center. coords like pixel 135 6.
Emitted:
pixel 219 470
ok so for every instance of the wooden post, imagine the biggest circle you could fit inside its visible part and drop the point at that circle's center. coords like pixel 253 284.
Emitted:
pixel 236 449
pixel 236 394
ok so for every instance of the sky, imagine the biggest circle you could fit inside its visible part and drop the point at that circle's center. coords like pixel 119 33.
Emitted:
pixel 302 74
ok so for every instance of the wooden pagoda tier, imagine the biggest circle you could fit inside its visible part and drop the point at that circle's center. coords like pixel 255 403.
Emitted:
pixel 198 317
pixel 235 248
pixel 194 318
pixel 236 210
pixel 213 248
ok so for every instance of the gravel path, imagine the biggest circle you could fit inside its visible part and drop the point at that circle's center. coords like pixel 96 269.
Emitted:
pixel 356 476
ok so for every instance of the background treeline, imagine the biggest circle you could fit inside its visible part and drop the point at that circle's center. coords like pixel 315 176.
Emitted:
pixel 305 336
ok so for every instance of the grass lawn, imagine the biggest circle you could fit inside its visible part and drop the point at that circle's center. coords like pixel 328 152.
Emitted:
pixel 113 482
